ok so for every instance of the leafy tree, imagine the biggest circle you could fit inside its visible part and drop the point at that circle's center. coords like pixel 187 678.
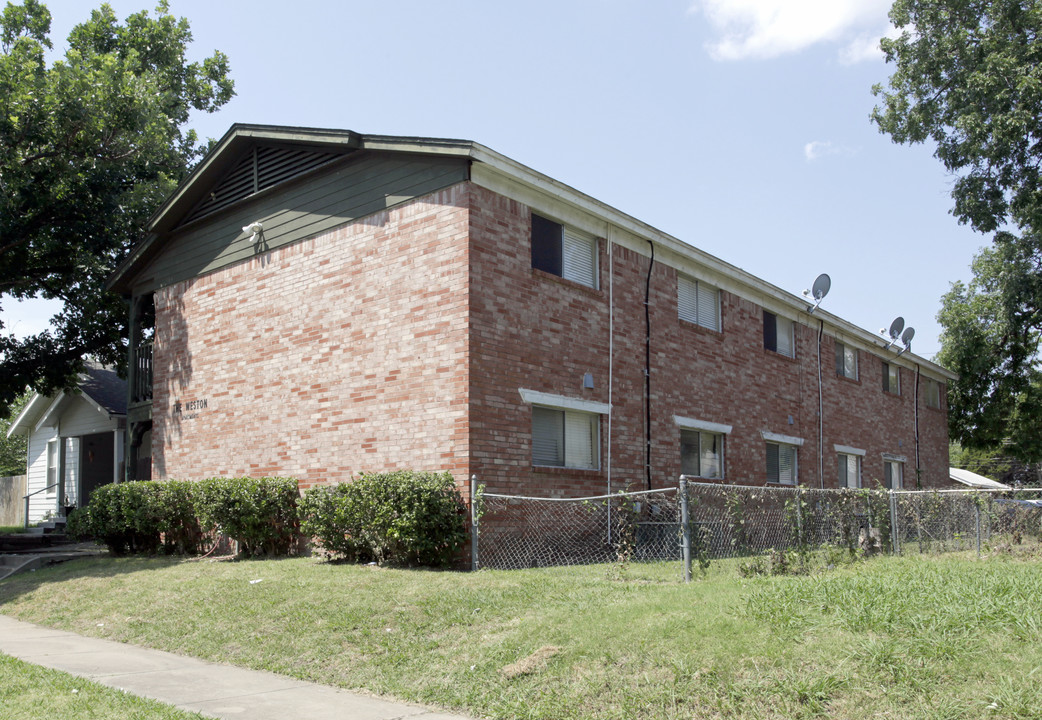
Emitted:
pixel 90 146
pixel 968 77
pixel 13 449
pixel 995 463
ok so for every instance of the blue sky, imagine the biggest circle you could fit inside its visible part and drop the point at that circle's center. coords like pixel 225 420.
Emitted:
pixel 739 126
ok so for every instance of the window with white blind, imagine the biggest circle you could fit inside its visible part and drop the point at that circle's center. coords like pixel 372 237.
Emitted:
pixel 698 302
pixel 849 470
pixel 781 463
pixel 846 361
pixel 778 334
pixel 565 438
pixel 893 474
pixel 52 467
pixel 702 454
pixel 563 251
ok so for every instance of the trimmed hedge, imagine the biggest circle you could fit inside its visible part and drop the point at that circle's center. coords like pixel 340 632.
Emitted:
pixel 124 516
pixel 176 505
pixel 399 518
pixel 259 513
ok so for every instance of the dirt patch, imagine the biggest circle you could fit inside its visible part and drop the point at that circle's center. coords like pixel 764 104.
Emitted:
pixel 526 666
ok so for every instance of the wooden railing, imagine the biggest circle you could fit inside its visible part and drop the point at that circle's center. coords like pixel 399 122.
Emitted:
pixel 142 373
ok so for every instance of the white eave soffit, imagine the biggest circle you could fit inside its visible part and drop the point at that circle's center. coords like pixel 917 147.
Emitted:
pixel 535 397
pixel 694 424
pixel 779 438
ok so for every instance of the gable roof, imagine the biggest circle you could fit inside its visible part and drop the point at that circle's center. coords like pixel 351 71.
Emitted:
pixel 971 479
pixel 217 182
pixel 106 388
pixel 99 386
pixel 975 481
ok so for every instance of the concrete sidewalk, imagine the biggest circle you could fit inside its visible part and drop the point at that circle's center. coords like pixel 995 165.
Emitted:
pixel 220 691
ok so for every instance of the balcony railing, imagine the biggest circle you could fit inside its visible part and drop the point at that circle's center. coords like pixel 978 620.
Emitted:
pixel 143 373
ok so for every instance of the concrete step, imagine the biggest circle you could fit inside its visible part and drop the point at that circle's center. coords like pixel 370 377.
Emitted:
pixel 15 563
pixel 53 526
pixel 21 542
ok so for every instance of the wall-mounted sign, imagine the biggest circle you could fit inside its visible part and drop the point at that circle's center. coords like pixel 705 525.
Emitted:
pixel 190 409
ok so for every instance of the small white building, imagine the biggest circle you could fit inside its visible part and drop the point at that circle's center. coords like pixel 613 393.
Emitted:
pixel 75 442
pixel 974 481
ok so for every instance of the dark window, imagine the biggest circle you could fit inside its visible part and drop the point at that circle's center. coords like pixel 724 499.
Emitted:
pixel 546 245
pixel 770 331
pixel 778 334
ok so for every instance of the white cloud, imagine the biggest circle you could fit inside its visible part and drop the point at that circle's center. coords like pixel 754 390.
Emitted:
pixel 761 29
pixel 817 149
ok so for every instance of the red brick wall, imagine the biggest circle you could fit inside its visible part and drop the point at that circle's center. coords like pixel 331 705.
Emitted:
pixel 401 340
pixel 343 353
pixel 537 331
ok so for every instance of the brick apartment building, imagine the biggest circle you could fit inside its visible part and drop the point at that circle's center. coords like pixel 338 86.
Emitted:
pixel 316 303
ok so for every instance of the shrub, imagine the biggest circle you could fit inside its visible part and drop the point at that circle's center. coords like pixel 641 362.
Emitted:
pixel 331 515
pixel 124 516
pixel 401 518
pixel 258 513
pixel 175 505
pixel 140 517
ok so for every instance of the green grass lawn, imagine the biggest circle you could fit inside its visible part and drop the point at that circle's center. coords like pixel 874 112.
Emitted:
pixel 31 691
pixel 939 637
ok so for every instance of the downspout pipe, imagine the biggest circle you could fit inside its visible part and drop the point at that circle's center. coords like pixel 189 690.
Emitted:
pixel 915 402
pixel 611 352
pixel 647 370
pixel 821 413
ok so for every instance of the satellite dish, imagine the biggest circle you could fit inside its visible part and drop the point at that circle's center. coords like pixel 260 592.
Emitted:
pixel 906 338
pixel 896 327
pixel 895 331
pixel 818 291
pixel 821 287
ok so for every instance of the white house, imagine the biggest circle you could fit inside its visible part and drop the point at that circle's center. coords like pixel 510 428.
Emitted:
pixel 75 442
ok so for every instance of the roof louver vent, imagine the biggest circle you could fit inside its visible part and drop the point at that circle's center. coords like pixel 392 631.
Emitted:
pixel 259 169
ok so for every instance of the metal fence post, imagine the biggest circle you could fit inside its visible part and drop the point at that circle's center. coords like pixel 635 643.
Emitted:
pixel 976 506
pixel 895 542
pixel 474 520
pixel 685 529
pixel 799 519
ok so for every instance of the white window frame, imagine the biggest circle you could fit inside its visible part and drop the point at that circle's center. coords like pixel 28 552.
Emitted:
pixel 780 441
pixel 848 470
pixel 580 261
pixel 893 464
pixel 53 464
pixel 783 450
pixel 698 302
pixel 573 412
pixel 892 377
pixel 932 393
pixel 700 439
pixel 846 360
pixel 704 427
pixel 784 342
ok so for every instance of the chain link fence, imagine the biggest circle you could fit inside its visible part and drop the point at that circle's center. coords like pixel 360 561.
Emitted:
pixel 729 521
pixel 522 532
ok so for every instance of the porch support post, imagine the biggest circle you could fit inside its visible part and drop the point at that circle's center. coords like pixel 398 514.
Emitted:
pixel 60 495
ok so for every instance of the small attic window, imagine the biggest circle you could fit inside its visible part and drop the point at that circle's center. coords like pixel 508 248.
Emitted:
pixel 261 168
